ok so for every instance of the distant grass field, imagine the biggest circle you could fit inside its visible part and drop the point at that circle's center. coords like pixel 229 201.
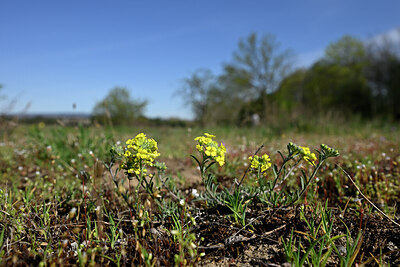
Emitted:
pixel 60 204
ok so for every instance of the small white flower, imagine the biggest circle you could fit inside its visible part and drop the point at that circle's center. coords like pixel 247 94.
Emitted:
pixel 182 202
pixel 37 173
pixel 73 161
pixel 194 193
pixel 20 168
pixel 91 153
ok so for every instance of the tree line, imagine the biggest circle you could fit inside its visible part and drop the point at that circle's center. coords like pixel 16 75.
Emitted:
pixel 259 85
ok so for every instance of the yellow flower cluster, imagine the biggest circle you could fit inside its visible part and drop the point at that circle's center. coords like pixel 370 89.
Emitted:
pixel 140 152
pixel 206 145
pixel 307 155
pixel 260 163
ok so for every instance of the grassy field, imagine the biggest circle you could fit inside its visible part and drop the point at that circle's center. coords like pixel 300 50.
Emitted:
pixel 67 200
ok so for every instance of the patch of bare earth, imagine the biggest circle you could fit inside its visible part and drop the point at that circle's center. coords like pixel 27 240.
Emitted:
pixel 226 244
pixel 184 169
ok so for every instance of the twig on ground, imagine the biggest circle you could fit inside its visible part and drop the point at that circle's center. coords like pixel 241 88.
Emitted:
pixel 370 202
pixel 235 239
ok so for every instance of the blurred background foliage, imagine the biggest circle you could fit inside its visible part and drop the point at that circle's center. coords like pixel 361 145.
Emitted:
pixel 352 80
pixel 118 107
pixel 260 86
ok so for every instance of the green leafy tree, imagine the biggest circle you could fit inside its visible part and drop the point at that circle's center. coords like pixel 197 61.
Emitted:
pixel 347 51
pixel 338 89
pixel 258 67
pixel 290 94
pixel 383 73
pixel 119 107
pixel 337 83
pixel 241 91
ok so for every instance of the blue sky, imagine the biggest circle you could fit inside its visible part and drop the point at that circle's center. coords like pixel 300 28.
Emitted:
pixel 56 53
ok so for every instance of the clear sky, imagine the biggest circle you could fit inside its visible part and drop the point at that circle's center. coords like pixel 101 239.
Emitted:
pixel 56 53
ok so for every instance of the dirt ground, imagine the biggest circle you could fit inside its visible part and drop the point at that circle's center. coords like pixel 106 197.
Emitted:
pixel 226 245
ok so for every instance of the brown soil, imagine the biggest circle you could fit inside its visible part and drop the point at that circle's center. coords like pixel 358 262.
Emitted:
pixel 227 245
pixel 184 169
pixel 224 242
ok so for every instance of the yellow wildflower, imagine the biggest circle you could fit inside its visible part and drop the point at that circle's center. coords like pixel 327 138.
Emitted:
pixel 260 163
pixel 211 151
pixel 210 148
pixel 140 152
pixel 307 155
pixel 209 135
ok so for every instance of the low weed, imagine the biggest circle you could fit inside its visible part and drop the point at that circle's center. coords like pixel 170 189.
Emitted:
pixel 72 196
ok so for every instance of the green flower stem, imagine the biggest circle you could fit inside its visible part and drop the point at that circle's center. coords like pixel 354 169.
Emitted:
pixel 285 160
pixel 113 176
pixel 309 181
pixel 138 185
pixel 287 175
pixel 248 168
pixel 203 170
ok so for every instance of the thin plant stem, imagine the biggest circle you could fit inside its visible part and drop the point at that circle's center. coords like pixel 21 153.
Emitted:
pixel 369 201
pixel 247 170
pixel 84 198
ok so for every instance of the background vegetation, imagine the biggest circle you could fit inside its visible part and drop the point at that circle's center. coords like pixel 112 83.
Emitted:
pixel 352 79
